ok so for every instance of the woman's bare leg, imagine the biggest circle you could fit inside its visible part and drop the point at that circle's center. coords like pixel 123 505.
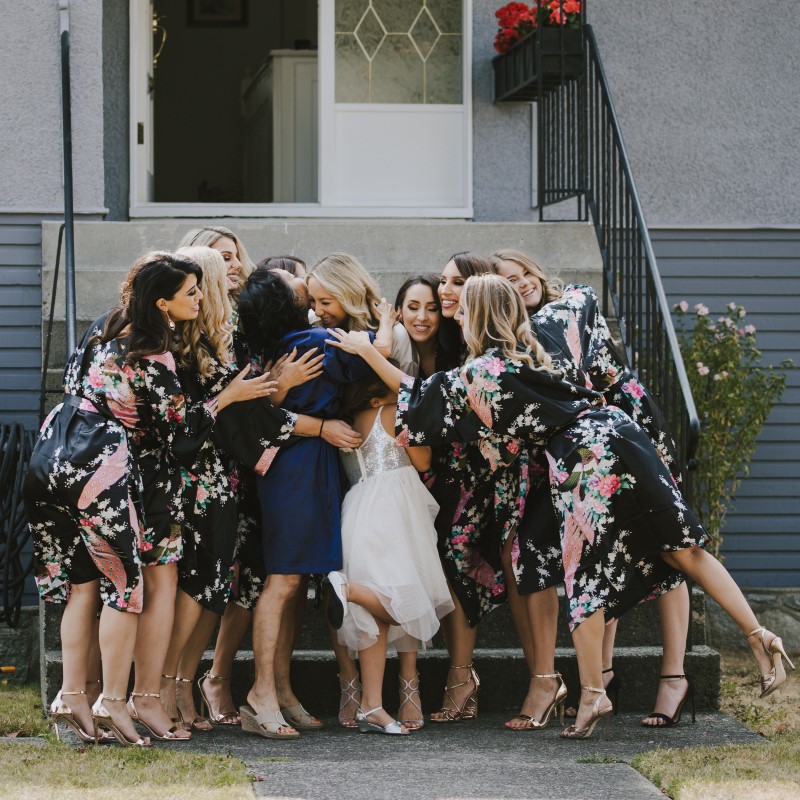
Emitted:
pixel 187 669
pixel 517 604
pixel 152 643
pixel 118 638
pixel 78 630
pixel 673 610
pixel 460 639
pixel 373 666
pixel 543 621
pixel 588 641
pixel 187 613
pixel 236 621
pixel 716 581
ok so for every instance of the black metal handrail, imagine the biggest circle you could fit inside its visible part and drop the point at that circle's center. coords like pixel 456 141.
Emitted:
pixel 582 157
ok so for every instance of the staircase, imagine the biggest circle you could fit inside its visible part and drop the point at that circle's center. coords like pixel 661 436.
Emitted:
pixel 391 250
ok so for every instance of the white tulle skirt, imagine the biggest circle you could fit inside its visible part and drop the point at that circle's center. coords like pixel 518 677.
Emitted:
pixel 389 546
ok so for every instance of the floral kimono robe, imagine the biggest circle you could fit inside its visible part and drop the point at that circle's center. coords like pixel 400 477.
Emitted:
pixel 221 491
pixel 84 492
pixel 615 503
pixel 573 331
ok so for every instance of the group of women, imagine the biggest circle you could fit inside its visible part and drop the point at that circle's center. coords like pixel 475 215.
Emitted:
pixel 196 469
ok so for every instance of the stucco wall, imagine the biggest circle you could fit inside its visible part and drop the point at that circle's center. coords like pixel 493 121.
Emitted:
pixel 501 133
pixel 709 102
pixel 30 112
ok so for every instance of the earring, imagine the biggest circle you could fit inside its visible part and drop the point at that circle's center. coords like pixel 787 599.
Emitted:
pixel 169 320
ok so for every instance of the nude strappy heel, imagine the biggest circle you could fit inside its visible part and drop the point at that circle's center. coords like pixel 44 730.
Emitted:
pixel 103 720
pixel 776 677
pixel 348 690
pixel 574 732
pixel 557 704
pixel 168 735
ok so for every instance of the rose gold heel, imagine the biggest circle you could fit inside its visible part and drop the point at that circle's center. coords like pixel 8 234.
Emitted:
pixel 556 705
pixel 574 732
pixel 469 708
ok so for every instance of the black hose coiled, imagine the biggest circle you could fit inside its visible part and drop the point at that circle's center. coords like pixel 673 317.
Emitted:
pixel 16 557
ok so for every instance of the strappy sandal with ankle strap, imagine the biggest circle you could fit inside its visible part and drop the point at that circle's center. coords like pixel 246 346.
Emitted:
pixel 664 720
pixel 556 705
pixel 469 708
pixel 407 691
pixel 349 690
pixel 169 735
pixel 218 717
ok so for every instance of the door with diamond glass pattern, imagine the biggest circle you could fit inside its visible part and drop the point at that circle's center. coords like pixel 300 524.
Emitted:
pixel 395 105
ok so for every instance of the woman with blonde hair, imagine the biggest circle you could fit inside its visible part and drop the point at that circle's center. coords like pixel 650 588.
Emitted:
pixel 625 529
pixel 344 295
pixel 238 263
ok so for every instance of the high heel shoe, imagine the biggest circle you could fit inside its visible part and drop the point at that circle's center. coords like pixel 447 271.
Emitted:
pixel 469 708
pixel 102 719
pixel 574 732
pixel 349 691
pixel 668 722
pixel 167 736
pixel 776 677
pixel 218 717
pixel 393 728
pixel 337 598
pixel 198 723
pixel 408 688
pixel 557 703
pixel 61 712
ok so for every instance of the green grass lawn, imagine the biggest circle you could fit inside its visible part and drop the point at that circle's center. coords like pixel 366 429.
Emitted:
pixel 738 772
pixel 100 773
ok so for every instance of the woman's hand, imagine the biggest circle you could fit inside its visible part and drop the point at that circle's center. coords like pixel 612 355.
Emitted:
pixel 241 389
pixel 296 371
pixel 340 434
pixel 386 313
pixel 355 342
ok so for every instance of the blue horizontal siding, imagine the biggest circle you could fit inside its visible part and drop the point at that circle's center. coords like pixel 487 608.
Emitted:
pixel 760 270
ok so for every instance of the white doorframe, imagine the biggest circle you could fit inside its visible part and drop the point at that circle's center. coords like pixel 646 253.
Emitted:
pixel 141 156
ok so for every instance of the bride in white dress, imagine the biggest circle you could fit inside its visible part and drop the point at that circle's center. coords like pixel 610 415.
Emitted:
pixel 392 590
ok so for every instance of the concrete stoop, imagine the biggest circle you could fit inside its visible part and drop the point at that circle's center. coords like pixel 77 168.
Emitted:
pixel 498 660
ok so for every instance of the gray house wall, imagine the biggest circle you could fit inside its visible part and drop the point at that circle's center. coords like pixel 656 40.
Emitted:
pixel 761 270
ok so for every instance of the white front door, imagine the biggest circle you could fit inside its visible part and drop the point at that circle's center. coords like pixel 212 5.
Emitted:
pixel 395 103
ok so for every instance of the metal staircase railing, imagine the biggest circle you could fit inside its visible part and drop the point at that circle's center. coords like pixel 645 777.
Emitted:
pixel 584 173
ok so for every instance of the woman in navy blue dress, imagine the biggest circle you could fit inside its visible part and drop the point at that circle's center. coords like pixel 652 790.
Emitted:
pixel 301 491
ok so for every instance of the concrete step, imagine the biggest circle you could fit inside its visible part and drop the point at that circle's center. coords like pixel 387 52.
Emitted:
pixel 390 249
pixel 498 659
pixel 503 674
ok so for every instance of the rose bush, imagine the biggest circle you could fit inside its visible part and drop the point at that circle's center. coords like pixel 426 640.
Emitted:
pixel 516 20
pixel 734 394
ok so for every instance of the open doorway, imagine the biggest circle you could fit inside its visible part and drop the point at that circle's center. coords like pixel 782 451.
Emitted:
pixel 234 94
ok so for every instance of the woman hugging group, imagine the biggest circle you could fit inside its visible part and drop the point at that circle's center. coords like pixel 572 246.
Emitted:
pixel 229 431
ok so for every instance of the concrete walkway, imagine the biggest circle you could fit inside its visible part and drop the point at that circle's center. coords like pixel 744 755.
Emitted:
pixel 476 760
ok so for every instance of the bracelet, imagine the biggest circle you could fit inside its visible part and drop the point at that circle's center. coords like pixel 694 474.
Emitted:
pixel 321 425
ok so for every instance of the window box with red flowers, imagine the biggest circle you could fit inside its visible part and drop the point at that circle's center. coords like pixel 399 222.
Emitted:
pixel 550 33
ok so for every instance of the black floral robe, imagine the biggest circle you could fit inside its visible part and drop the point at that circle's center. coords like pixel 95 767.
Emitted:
pixel 615 503
pixel 85 488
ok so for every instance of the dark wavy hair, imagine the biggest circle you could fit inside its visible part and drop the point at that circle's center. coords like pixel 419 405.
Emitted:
pixel 357 395
pixel 288 263
pixel 267 312
pixel 448 335
pixel 155 275
pixel 469 264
